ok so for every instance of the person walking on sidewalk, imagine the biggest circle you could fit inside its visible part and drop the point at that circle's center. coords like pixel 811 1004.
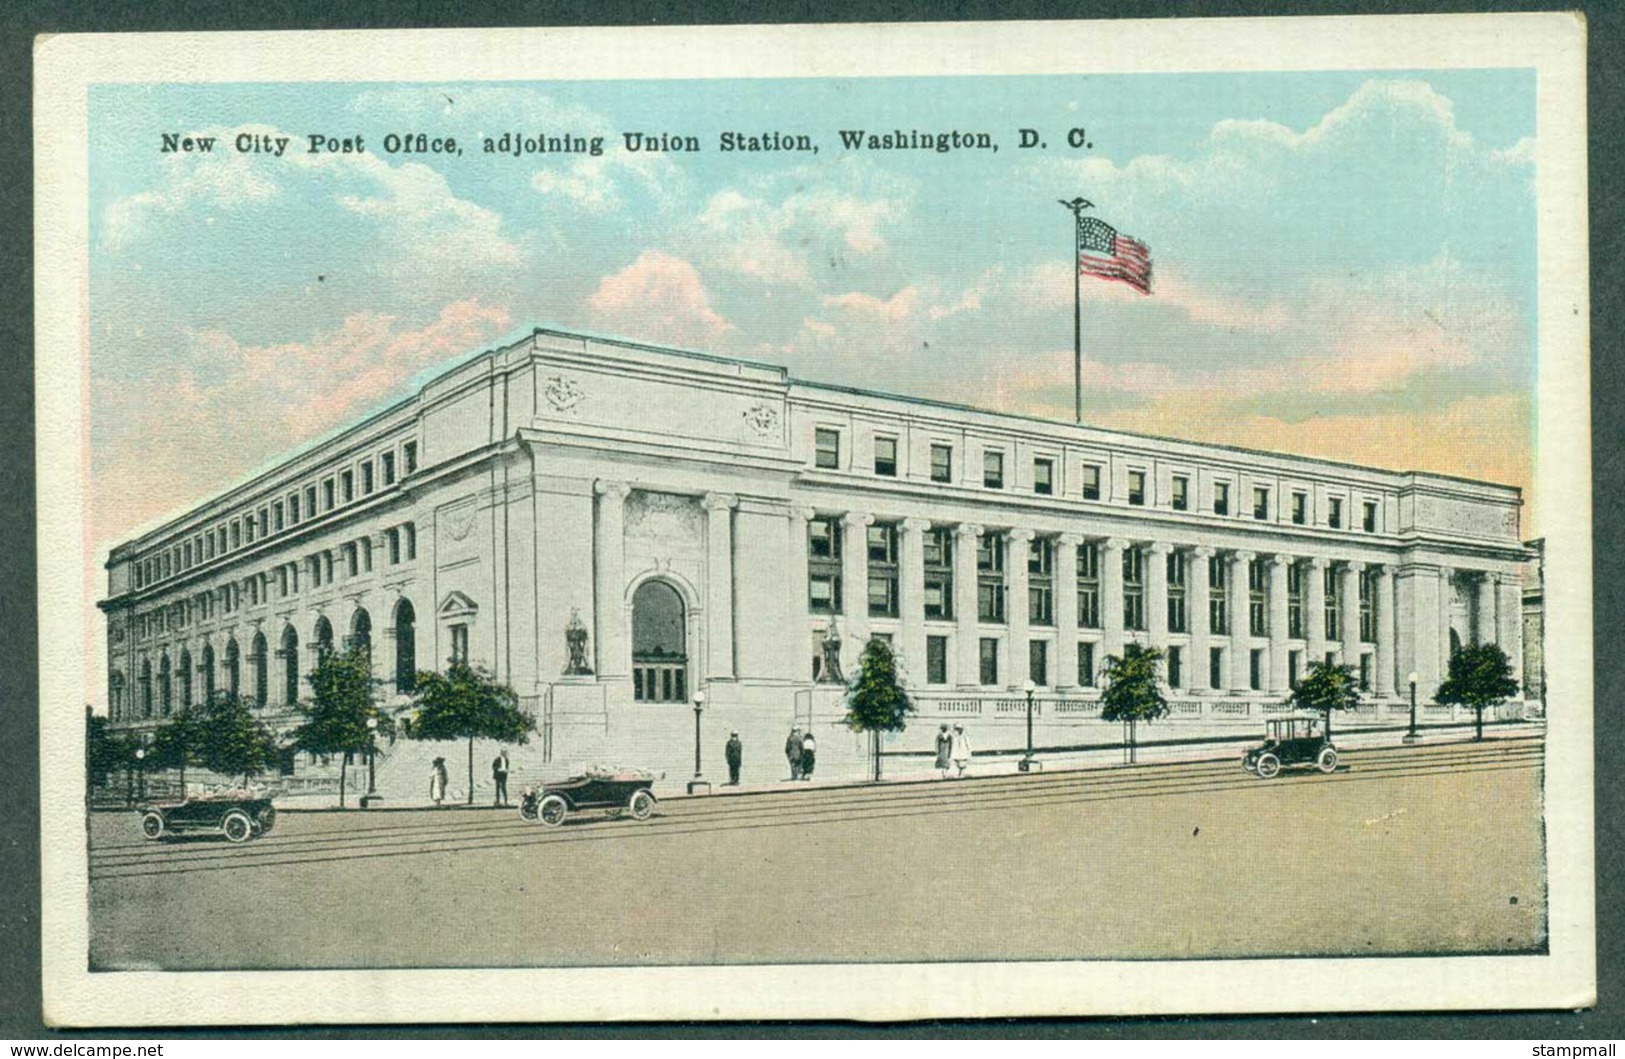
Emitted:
pixel 735 755
pixel 809 755
pixel 961 751
pixel 792 752
pixel 437 781
pixel 499 778
pixel 945 750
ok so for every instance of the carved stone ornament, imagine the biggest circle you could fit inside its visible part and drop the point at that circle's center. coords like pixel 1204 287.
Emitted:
pixel 762 418
pixel 563 394
pixel 458 522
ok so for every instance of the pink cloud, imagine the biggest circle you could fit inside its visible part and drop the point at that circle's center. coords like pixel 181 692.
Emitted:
pixel 658 297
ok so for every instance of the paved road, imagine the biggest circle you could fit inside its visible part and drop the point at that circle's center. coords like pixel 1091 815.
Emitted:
pixel 1433 849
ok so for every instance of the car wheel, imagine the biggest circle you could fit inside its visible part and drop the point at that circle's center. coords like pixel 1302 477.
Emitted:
pixel 553 810
pixel 152 825
pixel 1268 765
pixel 527 810
pixel 641 805
pixel 1327 761
pixel 267 819
pixel 237 827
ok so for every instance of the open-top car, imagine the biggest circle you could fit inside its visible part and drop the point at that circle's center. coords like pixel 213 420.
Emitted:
pixel 618 790
pixel 1291 742
pixel 238 815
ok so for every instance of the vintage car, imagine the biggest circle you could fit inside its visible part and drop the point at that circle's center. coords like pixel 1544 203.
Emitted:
pixel 1288 742
pixel 618 790
pixel 239 816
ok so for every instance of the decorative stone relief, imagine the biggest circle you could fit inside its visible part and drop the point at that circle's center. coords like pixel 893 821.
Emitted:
pixel 457 523
pixel 663 516
pixel 563 394
pixel 763 419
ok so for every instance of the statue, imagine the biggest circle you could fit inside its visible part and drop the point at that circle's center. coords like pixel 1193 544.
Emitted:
pixel 831 671
pixel 575 638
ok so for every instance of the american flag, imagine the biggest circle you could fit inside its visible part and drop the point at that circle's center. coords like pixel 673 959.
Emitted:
pixel 1103 252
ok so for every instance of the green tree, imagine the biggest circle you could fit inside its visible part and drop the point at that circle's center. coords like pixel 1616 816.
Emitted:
pixel 1326 688
pixel 106 751
pixel 876 701
pixel 1480 676
pixel 340 704
pixel 467 702
pixel 175 744
pixel 231 740
pixel 1132 692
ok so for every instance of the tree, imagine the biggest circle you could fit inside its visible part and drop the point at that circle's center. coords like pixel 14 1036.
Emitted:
pixel 231 740
pixel 467 702
pixel 106 752
pixel 1480 676
pixel 340 704
pixel 876 701
pixel 174 744
pixel 1324 688
pixel 1132 692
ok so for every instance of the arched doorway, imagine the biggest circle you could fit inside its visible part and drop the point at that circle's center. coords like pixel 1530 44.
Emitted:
pixel 406 651
pixel 659 644
pixel 290 666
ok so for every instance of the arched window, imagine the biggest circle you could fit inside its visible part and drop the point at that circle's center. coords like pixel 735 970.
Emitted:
pixel 186 678
pixel 146 688
pixel 259 657
pixel 207 669
pixel 290 666
pixel 406 655
pixel 659 644
pixel 361 632
pixel 234 668
pixel 324 637
pixel 164 684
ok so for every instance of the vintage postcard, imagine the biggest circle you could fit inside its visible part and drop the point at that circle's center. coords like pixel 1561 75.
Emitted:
pixel 818 522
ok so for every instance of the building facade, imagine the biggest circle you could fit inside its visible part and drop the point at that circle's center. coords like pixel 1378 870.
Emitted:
pixel 708 520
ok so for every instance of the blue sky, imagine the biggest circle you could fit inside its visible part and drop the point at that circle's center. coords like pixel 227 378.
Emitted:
pixel 1345 262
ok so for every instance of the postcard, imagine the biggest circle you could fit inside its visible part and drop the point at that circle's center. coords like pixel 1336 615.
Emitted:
pixel 864 521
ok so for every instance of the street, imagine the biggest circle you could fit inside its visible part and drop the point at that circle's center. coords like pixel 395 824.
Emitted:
pixel 1419 850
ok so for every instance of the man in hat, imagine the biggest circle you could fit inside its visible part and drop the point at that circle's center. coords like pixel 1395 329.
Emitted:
pixel 735 755
pixel 792 752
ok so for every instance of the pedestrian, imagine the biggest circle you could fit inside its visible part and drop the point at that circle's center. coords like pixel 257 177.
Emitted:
pixel 499 778
pixel 735 755
pixel 945 750
pixel 792 752
pixel 809 754
pixel 437 781
pixel 960 749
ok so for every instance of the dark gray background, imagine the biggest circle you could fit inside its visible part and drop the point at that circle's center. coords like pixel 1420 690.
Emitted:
pixel 19 671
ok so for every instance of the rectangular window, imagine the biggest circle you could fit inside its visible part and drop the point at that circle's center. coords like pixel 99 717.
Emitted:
pixel 393 537
pixel 988 659
pixel 1257 598
pixel 942 463
pixel 1041 581
pixel 993 469
pixel 936 660
pixel 1294 601
pixel 1089 586
pixel 1218 596
pixel 1334 609
pixel 1181 493
pixel 265 521
pixel 1255 670
pixel 1133 588
pixel 1221 498
pixel 824 566
pixel 1300 508
pixel 882 545
pixel 1368 614
pixel 990 577
pixel 886 456
pixel 1044 477
pixel 209 545
pixel 366 478
pixel 352 560
pixel 1294 666
pixel 293 510
pixel 1038 662
pixel 1091 481
pixel 827 449
pixel 1176 592
pixel 1334 512
pixel 276 516
pixel 459 643
pixel 409 456
pixel 387 461
pixel 939 574
pixel 1176 668
pixel 236 534
pixel 327 494
pixel 1261 503
pixel 1370 516
pixel 1215 667
pixel 1136 488
pixel 347 486
pixel 186 555
pixel 1365 672
pixel 310 501
pixel 411 541
pixel 1086 663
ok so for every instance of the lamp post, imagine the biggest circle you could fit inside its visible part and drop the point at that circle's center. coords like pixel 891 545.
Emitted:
pixel 1028 763
pixel 698 785
pixel 141 773
pixel 372 759
pixel 1411 736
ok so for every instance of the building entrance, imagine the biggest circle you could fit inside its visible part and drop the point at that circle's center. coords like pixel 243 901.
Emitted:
pixel 659 644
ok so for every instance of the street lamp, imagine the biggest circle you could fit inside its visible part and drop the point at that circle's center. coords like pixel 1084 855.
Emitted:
pixel 141 773
pixel 372 760
pixel 698 785
pixel 1411 736
pixel 1029 763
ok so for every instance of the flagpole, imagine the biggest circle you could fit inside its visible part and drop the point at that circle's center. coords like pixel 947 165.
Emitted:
pixel 1077 206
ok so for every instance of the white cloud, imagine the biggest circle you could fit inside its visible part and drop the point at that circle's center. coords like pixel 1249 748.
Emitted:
pixel 659 297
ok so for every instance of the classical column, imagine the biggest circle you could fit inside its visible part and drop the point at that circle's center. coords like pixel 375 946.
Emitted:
pixel 1017 548
pixel 911 586
pixel 1484 618
pixel 1349 601
pixel 855 591
pixel 1156 595
pixel 1447 601
pixel 969 650
pixel 1241 633
pixel 797 632
pixel 1280 567
pixel 614 655
pixel 1111 596
pixel 1509 631
pixel 1384 612
pixel 1066 610
pixel 383 650
pixel 719 596
pixel 1314 618
pixel 1197 600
